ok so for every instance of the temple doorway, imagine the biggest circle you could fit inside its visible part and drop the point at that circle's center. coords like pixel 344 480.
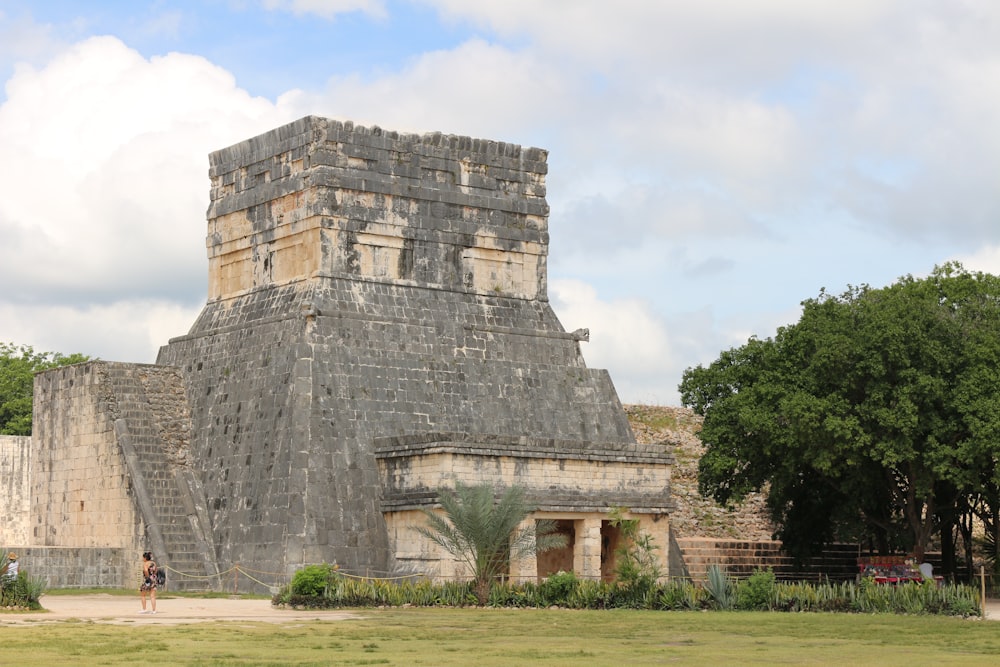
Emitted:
pixel 555 560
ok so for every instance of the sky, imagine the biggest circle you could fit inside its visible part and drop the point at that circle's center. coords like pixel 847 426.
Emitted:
pixel 712 164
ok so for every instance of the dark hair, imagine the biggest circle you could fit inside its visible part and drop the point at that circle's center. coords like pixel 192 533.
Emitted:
pixel 147 555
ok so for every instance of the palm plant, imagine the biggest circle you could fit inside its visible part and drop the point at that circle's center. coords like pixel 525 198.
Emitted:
pixel 482 531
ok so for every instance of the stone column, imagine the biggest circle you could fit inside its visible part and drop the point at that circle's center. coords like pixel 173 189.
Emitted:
pixel 587 552
pixel 526 568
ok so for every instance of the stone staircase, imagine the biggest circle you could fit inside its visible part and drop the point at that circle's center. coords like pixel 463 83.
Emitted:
pixel 739 559
pixel 152 425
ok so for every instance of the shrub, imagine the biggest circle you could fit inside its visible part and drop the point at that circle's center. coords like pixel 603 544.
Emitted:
pixel 323 587
pixel 961 606
pixel 589 594
pixel 679 596
pixel 312 580
pixel 757 592
pixel 21 591
pixel 557 588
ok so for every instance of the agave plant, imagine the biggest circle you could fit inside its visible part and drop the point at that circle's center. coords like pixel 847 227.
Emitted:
pixel 719 587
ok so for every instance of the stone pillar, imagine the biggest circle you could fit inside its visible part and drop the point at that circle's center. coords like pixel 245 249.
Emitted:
pixel 587 553
pixel 525 568
pixel 658 528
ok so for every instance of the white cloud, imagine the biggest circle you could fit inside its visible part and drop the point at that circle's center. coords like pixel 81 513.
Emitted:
pixel 477 89
pixel 726 40
pixel 985 260
pixel 103 193
pixel 22 40
pixel 328 8
pixel 108 190
pixel 626 338
pixel 774 105
pixel 130 330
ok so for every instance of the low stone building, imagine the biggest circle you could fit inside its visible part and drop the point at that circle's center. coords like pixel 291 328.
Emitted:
pixel 377 328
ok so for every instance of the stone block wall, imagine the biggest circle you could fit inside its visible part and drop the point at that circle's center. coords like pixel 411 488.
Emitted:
pixel 80 488
pixel 79 567
pixel 573 483
pixel 15 492
pixel 111 467
pixel 739 559
pixel 570 476
pixel 321 197
pixel 363 285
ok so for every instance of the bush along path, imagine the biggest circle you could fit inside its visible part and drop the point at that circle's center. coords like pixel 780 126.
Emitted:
pixel 325 587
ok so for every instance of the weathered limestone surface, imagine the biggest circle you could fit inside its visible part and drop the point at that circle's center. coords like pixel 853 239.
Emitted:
pixel 571 482
pixel 80 487
pixel 81 567
pixel 366 285
pixel 675 430
pixel 558 475
pixel 111 466
pixel 15 498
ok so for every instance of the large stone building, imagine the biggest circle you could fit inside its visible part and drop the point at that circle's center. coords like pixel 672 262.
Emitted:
pixel 377 328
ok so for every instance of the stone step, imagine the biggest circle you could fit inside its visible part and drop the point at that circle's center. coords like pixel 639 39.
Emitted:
pixel 741 558
pixel 153 406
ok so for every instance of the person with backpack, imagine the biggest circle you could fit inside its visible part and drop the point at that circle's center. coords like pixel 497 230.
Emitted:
pixel 149 582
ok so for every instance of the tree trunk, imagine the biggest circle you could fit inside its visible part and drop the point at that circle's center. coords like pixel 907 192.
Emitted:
pixel 968 518
pixel 920 516
pixel 947 549
pixel 996 537
pixel 483 590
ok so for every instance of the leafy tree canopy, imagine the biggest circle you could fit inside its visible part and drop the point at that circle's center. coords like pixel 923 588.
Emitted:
pixel 871 416
pixel 18 365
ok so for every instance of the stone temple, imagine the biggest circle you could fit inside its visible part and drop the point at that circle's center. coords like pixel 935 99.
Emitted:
pixel 377 328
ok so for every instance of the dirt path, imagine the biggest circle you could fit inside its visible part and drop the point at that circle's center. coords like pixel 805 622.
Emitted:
pixel 103 608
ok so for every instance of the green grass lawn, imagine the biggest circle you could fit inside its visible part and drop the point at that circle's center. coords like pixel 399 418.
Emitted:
pixel 517 636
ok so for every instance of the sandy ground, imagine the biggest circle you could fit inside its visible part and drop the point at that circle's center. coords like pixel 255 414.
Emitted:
pixel 118 609
pixel 103 608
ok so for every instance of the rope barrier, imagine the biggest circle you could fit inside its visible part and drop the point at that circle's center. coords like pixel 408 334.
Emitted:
pixel 247 569
pixel 236 570
pixel 366 578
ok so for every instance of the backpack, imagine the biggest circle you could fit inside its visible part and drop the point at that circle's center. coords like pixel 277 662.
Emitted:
pixel 156 574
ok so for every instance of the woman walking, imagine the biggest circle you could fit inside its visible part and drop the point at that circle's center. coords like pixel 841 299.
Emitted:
pixel 148 582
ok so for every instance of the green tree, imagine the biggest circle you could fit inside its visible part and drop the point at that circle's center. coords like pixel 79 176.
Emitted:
pixel 876 415
pixel 483 531
pixel 18 365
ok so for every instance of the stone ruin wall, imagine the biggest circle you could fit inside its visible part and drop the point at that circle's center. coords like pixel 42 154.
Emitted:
pixel 368 284
pixel 324 199
pixel 364 286
pixel 568 482
pixel 80 489
pixel 65 498
pixel 15 498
